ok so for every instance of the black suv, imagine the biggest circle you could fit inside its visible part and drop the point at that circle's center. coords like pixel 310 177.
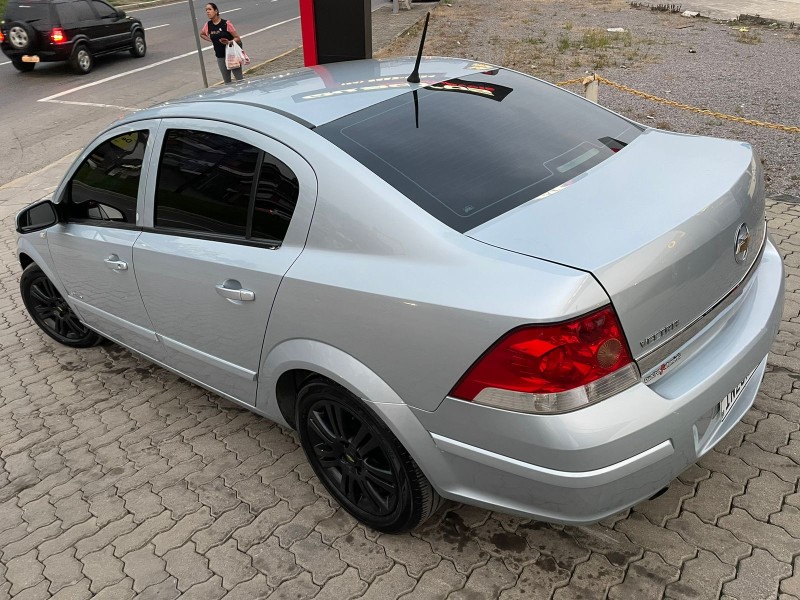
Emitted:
pixel 73 30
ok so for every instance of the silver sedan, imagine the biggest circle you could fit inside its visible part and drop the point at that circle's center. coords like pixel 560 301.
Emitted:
pixel 477 287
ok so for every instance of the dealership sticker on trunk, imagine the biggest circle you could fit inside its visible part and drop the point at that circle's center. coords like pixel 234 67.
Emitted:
pixel 730 398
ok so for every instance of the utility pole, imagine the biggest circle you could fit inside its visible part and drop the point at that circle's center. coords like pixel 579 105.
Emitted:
pixel 197 40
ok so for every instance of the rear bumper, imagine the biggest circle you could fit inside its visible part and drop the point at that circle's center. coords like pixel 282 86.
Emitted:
pixel 583 466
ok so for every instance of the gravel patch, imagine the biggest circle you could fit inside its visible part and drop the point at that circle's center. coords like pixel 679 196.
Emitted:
pixel 749 73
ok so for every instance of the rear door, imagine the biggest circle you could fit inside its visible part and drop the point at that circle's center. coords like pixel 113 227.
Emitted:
pixel 111 30
pixel 229 211
pixel 93 247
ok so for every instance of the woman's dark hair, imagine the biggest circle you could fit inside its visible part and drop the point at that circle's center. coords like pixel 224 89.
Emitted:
pixel 214 6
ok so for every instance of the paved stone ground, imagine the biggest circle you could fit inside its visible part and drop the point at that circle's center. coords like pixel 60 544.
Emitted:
pixel 120 480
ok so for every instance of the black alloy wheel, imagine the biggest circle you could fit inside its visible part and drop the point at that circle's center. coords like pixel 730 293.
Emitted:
pixel 51 312
pixel 360 462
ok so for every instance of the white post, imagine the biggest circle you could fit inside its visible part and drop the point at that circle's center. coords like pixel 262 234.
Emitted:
pixel 591 88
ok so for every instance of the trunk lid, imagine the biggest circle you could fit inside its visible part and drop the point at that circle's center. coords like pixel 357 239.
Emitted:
pixel 657 225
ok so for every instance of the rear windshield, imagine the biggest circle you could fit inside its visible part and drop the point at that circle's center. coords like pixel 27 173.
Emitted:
pixel 28 11
pixel 469 149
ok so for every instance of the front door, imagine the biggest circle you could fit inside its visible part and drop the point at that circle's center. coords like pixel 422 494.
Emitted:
pixel 92 247
pixel 230 213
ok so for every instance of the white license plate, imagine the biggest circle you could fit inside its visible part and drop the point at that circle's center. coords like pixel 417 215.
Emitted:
pixel 29 58
pixel 731 397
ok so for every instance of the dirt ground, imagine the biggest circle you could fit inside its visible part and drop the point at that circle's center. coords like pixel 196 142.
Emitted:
pixel 739 69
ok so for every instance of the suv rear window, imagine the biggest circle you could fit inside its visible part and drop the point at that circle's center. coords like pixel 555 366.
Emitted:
pixel 469 149
pixel 29 12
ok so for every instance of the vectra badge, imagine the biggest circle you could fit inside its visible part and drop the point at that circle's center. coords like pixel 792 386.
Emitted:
pixel 659 334
pixel 742 244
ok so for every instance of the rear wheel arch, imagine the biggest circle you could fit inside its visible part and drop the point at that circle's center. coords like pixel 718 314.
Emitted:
pixel 25 260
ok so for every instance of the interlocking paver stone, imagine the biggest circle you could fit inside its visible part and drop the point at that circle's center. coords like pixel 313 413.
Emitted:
pixel 299 527
pixel 615 546
pixel 31 540
pixel 783 466
pixel 554 542
pixel 365 555
pixel 667 505
pixel 182 531
pixel 72 510
pixel 791 585
pixel 295 492
pixel 438 582
pixel 764 495
pixel 511 548
pixel 714 539
pixel 144 567
pixel 772 433
pixel 143 533
pixel 734 468
pixel 758 576
pixel 702 577
pixel 257 495
pixel 217 496
pixel 341 523
pixel 187 566
pixel 231 564
pixel 319 559
pixel 789 519
pixel 668 544
pixel 763 535
pixel 63 570
pixel 277 564
pixel 79 591
pixel 221 528
pixel 263 525
pixel 107 507
pixel 68 539
pixel 487 581
pixel 105 536
pixel 180 500
pixel 645 578
pixel 103 569
pixel 165 590
pixel 415 554
pixel 37 592
pixel 38 513
pixel 254 589
pixel 713 497
pixel 24 571
pixel 451 539
pixel 142 503
pixel 208 590
pixel 393 584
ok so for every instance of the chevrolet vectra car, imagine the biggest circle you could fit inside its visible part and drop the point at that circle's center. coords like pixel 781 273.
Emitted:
pixel 478 287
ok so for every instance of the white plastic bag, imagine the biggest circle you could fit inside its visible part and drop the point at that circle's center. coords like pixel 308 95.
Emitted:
pixel 233 56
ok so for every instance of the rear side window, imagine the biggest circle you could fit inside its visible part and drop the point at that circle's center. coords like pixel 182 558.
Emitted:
pixel 217 185
pixel 103 9
pixel 469 149
pixel 106 185
pixel 67 13
pixel 84 11
pixel 31 12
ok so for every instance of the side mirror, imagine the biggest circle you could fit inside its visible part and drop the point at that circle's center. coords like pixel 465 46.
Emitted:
pixel 37 216
pixel 121 13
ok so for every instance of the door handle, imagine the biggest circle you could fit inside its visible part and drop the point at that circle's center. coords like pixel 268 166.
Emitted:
pixel 115 263
pixel 227 290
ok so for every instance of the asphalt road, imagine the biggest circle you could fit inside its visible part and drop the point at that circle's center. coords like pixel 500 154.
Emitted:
pixel 50 112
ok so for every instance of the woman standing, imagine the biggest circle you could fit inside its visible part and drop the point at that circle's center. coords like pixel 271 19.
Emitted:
pixel 220 32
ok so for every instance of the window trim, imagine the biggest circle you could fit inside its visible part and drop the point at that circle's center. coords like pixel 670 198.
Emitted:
pixel 248 239
pixel 63 192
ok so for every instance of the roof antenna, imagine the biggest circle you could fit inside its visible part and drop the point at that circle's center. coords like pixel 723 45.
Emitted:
pixel 414 77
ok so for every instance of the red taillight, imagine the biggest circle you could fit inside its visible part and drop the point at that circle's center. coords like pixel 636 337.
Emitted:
pixel 2 37
pixel 550 359
pixel 57 35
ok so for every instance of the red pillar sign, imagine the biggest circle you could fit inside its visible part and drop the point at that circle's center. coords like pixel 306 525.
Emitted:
pixel 309 32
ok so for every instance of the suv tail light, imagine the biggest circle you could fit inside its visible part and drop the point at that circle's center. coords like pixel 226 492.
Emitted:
pixel 57 35
pixel 553 368
pixel 2 37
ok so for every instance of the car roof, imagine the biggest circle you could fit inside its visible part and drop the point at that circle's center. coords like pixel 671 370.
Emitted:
pixel 323 93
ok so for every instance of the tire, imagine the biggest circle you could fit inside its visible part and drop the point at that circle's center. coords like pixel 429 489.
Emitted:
pixel 360 461
pixel 20 36
pixel 50 311
pixel 139 47
pixel 81 60
pixel 24 67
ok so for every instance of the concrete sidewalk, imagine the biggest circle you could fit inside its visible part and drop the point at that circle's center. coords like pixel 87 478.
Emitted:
pixel 786 11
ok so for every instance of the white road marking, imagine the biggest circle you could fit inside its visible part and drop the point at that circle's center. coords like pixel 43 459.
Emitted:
pixel 227 10
pixel 92 104
pixel 156 26
pixel 152 7
pixel 156 64
pixel 5 63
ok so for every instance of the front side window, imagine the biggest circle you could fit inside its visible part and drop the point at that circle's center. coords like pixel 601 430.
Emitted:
pixel 106 185
pixel 217 185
